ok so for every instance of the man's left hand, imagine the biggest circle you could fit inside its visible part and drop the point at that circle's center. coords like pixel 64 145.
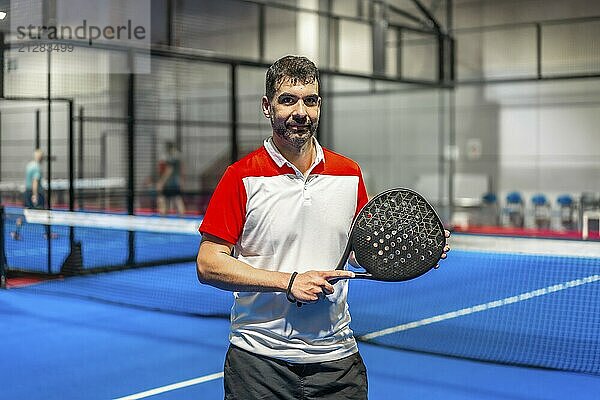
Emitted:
pixel 446 248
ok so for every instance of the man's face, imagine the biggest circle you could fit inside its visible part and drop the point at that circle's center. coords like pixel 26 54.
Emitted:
pixel 294 111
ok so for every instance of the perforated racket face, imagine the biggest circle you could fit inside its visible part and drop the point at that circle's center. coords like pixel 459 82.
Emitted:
pixel 397 236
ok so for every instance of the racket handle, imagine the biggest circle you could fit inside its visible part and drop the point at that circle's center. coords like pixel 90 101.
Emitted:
pixel 357 275
pixel 363 275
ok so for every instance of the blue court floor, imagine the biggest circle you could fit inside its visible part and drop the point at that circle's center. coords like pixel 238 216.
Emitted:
pixel 57 347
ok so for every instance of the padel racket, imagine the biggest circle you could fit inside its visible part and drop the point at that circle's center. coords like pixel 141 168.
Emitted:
pixel 395 237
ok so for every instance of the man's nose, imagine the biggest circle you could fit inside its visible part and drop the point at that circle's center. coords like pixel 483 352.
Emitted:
pixel 300 113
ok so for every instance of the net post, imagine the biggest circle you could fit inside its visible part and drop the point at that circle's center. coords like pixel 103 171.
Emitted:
pixel 3 263
pixel 131 154
pixel 73 264
pixel 49 155
pixel 1 113
pixel 71 166
pixel 80 165
pixel 38 130
pixel 234 149
pixel 2 61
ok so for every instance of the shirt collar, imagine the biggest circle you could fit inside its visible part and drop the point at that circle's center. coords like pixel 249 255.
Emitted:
pixel 280 160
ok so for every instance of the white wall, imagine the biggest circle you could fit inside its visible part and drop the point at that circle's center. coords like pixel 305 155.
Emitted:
pixel 543 134
pixel 549 138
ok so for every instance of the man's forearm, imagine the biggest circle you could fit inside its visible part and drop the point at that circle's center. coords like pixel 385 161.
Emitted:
pixel 221 270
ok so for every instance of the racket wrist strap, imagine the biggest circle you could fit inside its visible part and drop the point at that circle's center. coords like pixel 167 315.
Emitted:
pixel 288 292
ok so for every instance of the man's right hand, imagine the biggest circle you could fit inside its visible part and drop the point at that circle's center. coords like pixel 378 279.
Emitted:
pixel 309 286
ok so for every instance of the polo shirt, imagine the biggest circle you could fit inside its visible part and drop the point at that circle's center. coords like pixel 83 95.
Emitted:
pixel 281 220
pixel 33 171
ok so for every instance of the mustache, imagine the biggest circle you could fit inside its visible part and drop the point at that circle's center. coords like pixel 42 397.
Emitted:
pixel 308 125
pixel 299 125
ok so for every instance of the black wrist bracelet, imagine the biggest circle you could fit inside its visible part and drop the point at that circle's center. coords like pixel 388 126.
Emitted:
pixel 288 293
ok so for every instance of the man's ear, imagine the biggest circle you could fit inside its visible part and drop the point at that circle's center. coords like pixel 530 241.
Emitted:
pixel 266 107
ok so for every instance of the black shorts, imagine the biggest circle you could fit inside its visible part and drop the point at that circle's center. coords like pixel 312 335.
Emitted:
pixel 249 376
pixel 27 203
pixel 171 191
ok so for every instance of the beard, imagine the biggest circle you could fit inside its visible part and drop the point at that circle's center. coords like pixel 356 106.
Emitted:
pixel 296 138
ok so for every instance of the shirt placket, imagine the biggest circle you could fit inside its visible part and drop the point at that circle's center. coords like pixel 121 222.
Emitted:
pixel 305 180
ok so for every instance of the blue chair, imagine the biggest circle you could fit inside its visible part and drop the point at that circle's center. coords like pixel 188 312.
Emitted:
pixel 542 213
pixel 489 198
pixel 514 198
pixel 566 211
pixel 565 200
pixel 489 210
pixel 515 210
pixel 539 200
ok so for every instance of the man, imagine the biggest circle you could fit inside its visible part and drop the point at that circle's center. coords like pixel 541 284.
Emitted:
pixel 275 228
pixel 33 181
pixel 33 197
pixel 169 182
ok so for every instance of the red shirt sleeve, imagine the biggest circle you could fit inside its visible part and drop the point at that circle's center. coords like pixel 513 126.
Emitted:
pixel 362 197
pixel 226 210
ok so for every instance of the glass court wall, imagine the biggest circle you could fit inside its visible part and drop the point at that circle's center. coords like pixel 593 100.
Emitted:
pixel 203 93
pixel 511 110
pixel 526 103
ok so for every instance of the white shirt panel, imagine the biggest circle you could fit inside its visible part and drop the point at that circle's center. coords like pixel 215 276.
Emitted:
pixel 295 224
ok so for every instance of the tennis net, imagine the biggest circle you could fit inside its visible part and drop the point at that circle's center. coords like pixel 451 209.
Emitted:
pixel 67 243
pixel 515 301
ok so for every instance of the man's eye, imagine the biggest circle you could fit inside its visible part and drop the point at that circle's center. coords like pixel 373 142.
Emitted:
pixel 287 100
pixel 311 101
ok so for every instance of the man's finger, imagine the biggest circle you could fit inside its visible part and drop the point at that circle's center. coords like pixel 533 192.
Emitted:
pixel 313 299
pixel 337 274
pixel 328 288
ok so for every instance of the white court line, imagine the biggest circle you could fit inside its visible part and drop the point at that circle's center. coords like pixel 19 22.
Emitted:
pixel 483 307
pixel 174 386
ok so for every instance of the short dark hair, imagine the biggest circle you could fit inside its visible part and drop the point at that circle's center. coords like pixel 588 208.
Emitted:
pixel 295 67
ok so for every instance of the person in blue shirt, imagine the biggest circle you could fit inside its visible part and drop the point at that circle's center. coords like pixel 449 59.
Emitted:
pixel 34 197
